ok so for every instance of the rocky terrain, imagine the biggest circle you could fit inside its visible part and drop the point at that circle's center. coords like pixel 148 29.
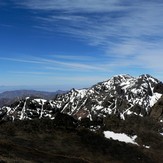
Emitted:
pixel 122 95
pixel 110 118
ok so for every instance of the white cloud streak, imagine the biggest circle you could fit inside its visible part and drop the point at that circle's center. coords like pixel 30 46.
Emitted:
pixel 74 57
pixel 66 65
pixel 73 5
pixel 122 29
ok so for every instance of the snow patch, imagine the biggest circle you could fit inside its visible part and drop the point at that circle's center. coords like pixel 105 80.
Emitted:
pixel 8 109
pixel 81 92
pixel 154 98
pixel 146 146
pixel 98 107
pixel 40 101
pixel 23 111
pixel 120 137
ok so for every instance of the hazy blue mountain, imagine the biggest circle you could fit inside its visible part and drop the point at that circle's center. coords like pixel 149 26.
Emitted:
pixel 8 97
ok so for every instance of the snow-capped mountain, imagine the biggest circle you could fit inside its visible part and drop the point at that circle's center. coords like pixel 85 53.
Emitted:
pixel 122 95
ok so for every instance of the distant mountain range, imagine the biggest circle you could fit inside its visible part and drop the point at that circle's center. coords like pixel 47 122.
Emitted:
pixel 8 97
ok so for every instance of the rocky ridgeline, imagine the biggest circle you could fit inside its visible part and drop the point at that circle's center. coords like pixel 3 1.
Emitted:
pixel 122 95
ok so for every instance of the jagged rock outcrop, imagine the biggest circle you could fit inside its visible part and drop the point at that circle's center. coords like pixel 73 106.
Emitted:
pixel 122 95
pixel 29 108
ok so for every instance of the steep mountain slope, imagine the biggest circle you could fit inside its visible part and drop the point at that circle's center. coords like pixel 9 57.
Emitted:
pixel 122 95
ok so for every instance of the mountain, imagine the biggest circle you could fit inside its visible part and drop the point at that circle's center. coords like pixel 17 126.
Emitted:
pixel 118 120
pixel 8 97
pixel 121 95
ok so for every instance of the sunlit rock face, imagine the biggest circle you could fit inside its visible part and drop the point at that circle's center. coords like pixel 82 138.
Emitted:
pixel 122 95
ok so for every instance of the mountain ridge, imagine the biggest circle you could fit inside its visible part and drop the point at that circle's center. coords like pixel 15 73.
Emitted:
pixel 121 95
pixel 9 97
pixel 121 114
pixel 118 89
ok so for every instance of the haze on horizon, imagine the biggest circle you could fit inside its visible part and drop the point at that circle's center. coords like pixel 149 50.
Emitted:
pixel 60 44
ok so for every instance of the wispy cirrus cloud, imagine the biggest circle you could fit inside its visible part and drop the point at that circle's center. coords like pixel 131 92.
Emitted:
pixel 72 5
pixel 131 31
pixel 74 57
pixel 23 60
pixel 55 63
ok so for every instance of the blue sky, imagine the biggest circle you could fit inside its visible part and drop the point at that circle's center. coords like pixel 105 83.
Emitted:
pixel 60 44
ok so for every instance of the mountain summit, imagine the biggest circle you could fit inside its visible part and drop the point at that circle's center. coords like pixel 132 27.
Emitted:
pixel 121 95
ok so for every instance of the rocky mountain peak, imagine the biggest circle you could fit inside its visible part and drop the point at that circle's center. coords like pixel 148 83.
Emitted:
pixel 122 95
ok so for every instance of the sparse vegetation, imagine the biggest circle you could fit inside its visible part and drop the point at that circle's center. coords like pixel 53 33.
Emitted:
pixel 45 140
